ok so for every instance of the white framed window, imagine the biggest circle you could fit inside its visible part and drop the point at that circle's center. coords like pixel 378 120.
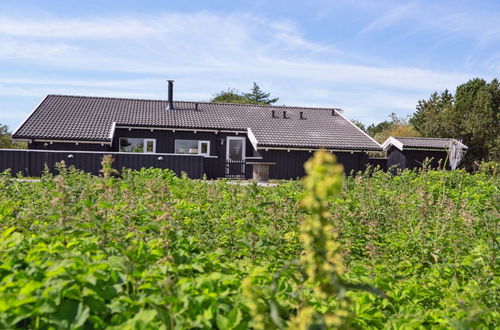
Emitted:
pixel 194 147
pixel 204 148
pixel 235 148
pixel 139 145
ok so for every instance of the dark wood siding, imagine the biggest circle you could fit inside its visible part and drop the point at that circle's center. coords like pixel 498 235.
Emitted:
pixel 416 158
pixel 290 165
pixel 395 159
pixel 412 159
pixel 32 163
pixel 69 146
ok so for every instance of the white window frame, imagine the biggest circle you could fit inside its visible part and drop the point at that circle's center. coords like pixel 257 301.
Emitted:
pixel 144 147
pixel 207 154
pixel 208 147
pixel 244 146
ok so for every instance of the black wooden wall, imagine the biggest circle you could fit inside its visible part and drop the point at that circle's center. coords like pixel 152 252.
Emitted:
pixel 32 163
pixel 412 159
pixel 290 164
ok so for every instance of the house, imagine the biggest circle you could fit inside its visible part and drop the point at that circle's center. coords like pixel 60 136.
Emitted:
pixel 226 139
pixel 412 152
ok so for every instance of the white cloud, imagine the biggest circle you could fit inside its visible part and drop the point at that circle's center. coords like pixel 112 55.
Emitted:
pixel 205 53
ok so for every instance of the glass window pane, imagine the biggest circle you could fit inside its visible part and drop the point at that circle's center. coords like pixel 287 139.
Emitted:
pixel 235 149
pixel 131 145
pixel 186 146
pixel 150 146
pixel 204 148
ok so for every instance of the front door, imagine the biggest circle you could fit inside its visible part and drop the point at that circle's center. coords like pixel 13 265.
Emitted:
pixel 235 157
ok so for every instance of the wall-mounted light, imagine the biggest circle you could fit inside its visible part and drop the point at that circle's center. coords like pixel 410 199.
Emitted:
pixel 222 141
pixel 160 158
pixel 70 156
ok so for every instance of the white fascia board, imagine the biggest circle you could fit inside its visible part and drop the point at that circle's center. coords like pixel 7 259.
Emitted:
pixel 29 116
pixel 391 141
pixel 180 129
pixel 109 152
pixel 72 141
pixel 112 131
pixel 459 142
pixel 359 129
pixel 252 138
pixel 310 149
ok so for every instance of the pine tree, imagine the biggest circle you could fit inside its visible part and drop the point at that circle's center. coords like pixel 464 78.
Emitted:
pixel 257 96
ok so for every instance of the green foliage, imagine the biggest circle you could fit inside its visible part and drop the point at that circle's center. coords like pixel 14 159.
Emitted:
pixel 472 114
pixel 151 250
pixel 256 96
pixel 6 139
pixel 230 96
pixel 397 126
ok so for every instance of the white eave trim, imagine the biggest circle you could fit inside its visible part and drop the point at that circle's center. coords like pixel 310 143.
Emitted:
pixel 71 141
pixel 180 129
pixel 460 142
pixel 112 131
pixel 392 141
pixel 109 152
pixel 313 149
pixel 359 129
pixel 252 138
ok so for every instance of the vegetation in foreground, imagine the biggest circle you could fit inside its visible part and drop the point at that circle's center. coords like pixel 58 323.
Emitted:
pixel 151 250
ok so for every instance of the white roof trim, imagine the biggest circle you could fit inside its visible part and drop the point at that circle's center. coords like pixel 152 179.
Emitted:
pixel 252 138
pixel 339 112
pixel 112 131
pixel 392 141
pixel 460 142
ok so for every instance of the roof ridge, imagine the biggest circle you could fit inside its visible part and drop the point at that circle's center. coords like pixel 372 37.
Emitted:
pixel 196 102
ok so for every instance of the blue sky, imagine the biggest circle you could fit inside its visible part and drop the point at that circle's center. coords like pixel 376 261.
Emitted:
pixel 371 58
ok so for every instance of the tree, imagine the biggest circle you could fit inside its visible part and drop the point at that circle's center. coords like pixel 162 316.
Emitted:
pixel 6 139
pixel 396 126
pixel 230 96
pixel 472 115
pixel 359 124
pixel 256 96
pixel 428 119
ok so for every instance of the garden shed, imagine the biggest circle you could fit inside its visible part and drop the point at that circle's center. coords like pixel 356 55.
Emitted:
pixel 414 152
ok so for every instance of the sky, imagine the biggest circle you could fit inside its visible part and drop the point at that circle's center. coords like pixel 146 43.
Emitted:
pixel 371 58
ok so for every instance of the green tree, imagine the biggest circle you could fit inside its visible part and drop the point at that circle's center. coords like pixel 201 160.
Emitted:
pixel 396 126
pixel 471 115
pixel 230 96
pixel 359 124
pixel 6 139
pixel 256 96
pixel 428 119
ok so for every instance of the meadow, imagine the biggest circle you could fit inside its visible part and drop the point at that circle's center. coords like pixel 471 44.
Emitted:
pixel 150 250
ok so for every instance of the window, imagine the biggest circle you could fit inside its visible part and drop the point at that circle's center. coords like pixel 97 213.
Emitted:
pixel 137 145
pixel 194 147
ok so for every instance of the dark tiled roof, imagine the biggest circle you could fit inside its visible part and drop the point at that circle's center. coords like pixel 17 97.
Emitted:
pixel 61 117
pixel 431 143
